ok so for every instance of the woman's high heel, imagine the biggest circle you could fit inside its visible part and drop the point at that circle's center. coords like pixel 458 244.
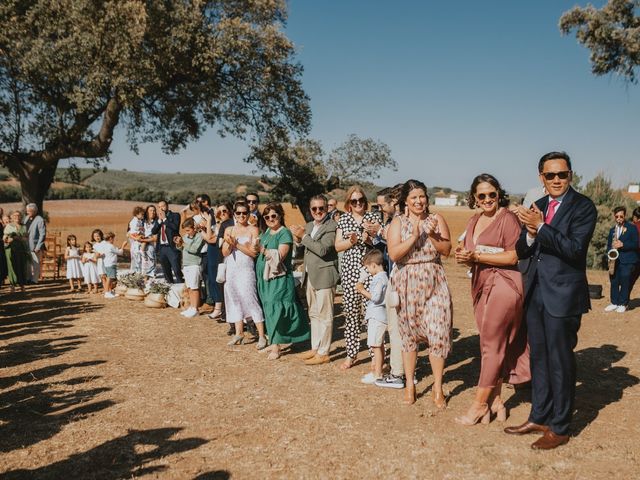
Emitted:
pixel 439 400
pixel 236 340
pixel 409 395
pixel 484 417
pixel 500 411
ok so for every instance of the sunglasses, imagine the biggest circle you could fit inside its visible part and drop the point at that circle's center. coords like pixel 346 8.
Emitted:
pixel 273 216
pixel 491 195
pixel 356 201
pixel 223 211
pixel 317 209
pixel 561 175
pixel 241 213
pixel 252 201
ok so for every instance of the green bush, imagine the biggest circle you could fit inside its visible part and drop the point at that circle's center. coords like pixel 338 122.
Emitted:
pixel 9 193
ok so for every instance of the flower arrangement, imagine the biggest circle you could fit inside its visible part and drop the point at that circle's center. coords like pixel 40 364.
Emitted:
pixel 133 280
pixel 161 288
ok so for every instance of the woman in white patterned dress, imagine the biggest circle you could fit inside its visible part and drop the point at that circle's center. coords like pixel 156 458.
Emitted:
pixel 240 248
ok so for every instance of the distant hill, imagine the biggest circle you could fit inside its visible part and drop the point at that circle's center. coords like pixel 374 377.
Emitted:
pixel 168 182
pixel 152 186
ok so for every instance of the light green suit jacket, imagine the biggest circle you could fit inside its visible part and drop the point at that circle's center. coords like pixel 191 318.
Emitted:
pixel 320 256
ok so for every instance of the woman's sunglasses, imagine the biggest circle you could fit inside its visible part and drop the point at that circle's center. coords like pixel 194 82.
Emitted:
pixel 273 216
pixel 317 209
pixel 356 201
pixel 241 213
pixel 223 211
pixel 491 195
pixel 561 175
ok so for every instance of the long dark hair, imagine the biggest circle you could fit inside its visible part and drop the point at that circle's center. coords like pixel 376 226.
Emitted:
pixel 406 188
pixel 503 198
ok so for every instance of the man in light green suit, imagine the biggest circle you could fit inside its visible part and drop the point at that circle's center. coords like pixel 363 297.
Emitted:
pixel 321 267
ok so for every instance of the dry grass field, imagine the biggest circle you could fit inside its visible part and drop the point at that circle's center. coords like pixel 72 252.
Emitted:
pixel 91 388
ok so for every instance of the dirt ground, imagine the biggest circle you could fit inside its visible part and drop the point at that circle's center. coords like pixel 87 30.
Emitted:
pixel 91 388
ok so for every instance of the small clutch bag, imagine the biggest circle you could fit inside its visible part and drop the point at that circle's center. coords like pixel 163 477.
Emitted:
pixel 393 300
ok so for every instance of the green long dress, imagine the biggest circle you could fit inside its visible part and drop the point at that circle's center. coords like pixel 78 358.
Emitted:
pixel 17 254
pixel 285 319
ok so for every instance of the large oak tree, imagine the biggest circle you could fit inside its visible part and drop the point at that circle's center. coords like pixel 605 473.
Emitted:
pixel 163 70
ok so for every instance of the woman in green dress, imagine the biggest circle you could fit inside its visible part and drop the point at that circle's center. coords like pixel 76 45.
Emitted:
pixel 16 250
pixel 285 318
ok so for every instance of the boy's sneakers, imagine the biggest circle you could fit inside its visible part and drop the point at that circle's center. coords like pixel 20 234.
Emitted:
pixel 621 309
pixel 189 312
pixel 369 379
pixel 393 381
pixel 610 308
pixel 390 381
pixel 109 295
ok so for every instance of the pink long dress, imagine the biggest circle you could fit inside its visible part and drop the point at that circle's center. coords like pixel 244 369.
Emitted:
pixel 497 294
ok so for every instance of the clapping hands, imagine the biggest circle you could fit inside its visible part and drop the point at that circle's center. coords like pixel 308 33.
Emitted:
pixel 530 218
pixel 297 231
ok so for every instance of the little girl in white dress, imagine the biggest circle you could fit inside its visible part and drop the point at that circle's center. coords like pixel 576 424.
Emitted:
pixel 74 266
pixel 90 269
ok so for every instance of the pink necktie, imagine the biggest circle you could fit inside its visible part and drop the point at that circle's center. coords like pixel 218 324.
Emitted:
pixel 551 211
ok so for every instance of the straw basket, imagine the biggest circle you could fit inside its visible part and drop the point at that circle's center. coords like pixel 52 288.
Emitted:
pixel 155 300
pixel 135 294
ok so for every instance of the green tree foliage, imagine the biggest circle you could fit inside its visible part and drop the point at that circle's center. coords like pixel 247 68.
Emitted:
pixel 606 198
pixel 164 70
pixel 612 33
pixel 359 159
pixel 301 170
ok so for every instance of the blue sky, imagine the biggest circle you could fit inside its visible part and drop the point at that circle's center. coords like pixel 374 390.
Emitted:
pixel 454 88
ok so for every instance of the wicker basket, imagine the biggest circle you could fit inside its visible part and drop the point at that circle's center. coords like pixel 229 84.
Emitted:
pixel 134 294
pixel 155 300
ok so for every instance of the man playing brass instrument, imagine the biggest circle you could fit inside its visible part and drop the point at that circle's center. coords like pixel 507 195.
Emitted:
pixel 623 237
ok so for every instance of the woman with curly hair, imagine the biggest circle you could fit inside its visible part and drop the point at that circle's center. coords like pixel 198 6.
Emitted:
pixel 497 293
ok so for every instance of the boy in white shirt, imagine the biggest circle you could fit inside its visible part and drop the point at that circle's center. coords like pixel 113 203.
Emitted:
pixel 375 314
pixel 109 253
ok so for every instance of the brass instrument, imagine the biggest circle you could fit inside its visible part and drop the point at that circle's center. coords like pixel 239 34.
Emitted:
pixel 612 255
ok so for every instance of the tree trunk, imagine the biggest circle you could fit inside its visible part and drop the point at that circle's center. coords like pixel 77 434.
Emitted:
pixel 302 202
pixel 35 182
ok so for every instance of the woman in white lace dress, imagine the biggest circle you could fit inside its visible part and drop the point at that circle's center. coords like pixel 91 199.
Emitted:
pixel 240 247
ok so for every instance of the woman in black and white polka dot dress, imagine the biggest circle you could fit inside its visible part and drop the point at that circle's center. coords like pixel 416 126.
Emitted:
pixel 354 242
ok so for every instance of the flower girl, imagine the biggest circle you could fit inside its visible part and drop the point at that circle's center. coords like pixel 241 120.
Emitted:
pixel 74 267
pixel 90 269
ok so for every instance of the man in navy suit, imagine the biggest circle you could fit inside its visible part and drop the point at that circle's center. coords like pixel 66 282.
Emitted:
pixel 624 238
pixel 168 255
pixel 556 233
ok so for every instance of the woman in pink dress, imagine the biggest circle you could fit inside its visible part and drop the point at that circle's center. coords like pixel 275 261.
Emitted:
pixel 415 241
pixel 497 293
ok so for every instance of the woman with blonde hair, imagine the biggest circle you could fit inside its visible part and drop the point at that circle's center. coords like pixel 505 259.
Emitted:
pixel 353 240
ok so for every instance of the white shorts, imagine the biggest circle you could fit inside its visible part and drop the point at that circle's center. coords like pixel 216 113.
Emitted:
pixel 192 276
pixel 375 333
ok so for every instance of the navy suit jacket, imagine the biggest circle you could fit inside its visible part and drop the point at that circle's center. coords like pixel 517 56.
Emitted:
pixel 558 256
pixel 172 228
pixel 629 251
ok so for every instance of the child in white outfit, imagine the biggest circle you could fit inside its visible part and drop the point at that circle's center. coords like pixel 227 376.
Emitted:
pixel 90 269
pixel 375 315
pixel 74 266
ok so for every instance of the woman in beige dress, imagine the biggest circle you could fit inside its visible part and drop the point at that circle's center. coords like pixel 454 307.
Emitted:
pixel 415 241
pixel 496 289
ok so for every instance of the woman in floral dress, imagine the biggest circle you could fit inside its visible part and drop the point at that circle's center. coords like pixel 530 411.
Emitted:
pixel 416 240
